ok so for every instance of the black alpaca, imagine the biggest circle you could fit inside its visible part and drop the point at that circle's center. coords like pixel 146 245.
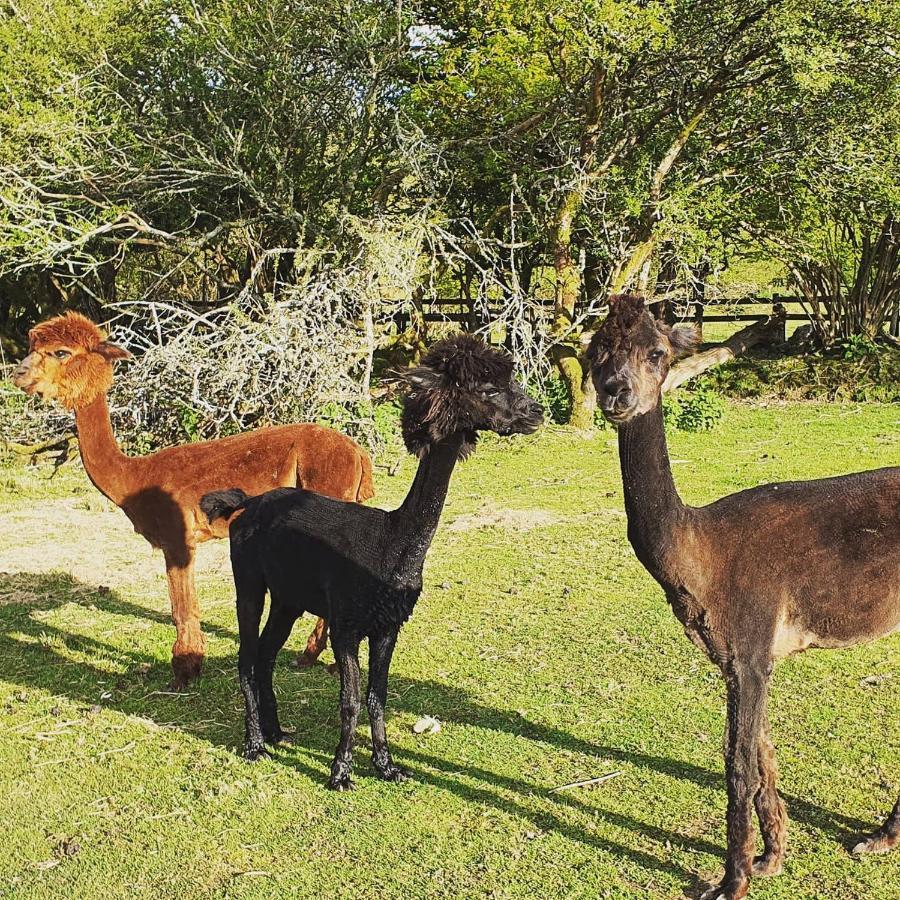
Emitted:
pixel 359 567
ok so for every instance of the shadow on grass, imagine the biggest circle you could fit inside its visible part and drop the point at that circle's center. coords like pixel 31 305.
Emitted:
pixel 29 656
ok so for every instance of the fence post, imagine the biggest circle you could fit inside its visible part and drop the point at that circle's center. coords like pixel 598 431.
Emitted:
pixel 698 298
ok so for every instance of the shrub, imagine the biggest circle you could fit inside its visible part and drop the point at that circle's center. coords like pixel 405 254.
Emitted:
pixel 553 396
pixel 862 372
pixel 697 410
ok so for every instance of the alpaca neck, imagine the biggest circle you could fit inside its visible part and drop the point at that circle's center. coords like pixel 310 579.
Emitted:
pixel 416 520
pixel 656 514
pixel 106 465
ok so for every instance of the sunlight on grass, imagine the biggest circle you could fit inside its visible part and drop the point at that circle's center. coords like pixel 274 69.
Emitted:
pixel 546 652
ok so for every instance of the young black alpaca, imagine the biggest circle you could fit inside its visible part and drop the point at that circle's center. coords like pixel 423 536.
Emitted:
pixel 360 567
pixel 739 596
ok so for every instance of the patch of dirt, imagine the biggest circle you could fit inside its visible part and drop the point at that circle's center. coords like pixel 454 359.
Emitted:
pixel 514 519
pixel 96 546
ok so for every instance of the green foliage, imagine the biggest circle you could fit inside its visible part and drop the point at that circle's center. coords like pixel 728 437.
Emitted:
pixel 386 422
pixel 552 395
pixel 376 425
pixel 858 347
pixel 167 149
pixel 12 400
pixel 699 409
pixel 143 442
pixel 190 420
pixel 333 415
pixel 861 377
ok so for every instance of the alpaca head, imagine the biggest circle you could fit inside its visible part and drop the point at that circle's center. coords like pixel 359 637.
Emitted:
pixel 464 386
pixel 70 361
pixel 630 356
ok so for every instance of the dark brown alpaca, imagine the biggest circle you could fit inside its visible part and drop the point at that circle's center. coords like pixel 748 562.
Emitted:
pixel 71 361
pixel 839 585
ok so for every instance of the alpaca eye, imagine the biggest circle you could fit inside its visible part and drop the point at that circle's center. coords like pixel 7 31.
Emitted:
pixel 657 354
pixel 62 354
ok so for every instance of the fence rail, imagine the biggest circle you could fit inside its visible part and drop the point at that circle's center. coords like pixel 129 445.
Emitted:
pixel 466 311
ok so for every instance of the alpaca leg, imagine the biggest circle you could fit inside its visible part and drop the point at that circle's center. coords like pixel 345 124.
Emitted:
pixel 770 808
pixel 315 644
pixel 885 838
pixel 250 602
pixel 278 629
pixel 381 649
pixel 190 644
pixel 347 653
pixel 746 707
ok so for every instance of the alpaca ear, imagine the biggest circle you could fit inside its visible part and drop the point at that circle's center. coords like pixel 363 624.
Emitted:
pixel 423 379
pixel 112 352
pixel 684 339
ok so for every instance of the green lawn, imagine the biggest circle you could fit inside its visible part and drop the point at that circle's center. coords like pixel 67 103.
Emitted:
pixel 545 650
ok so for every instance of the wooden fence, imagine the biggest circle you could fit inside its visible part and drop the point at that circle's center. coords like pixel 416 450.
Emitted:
pixel 470 315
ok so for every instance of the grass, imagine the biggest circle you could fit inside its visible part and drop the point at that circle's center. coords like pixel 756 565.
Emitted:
pixel 541 645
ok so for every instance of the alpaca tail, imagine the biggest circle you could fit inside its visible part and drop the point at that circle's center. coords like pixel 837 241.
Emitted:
pixel 366 489
pixel 222 504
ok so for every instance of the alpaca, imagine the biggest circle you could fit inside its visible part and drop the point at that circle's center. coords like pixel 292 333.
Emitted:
pixel 358 567
pixel 839 584
pixel 71 361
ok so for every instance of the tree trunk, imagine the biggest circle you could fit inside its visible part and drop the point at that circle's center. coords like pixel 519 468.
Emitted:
pixel 567 288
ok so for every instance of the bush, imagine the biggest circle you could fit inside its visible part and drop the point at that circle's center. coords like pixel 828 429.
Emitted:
pixel 379 422
pixel 858 347
pixel 862 372
pixel 28 420
pixel 554 397
pixel 698 410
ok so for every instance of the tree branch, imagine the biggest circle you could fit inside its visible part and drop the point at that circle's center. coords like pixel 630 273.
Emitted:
pixel 739 343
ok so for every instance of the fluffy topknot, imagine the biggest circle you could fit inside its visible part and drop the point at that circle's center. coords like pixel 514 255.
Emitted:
pixel 466 362
pixel 440 402
pixel 70 330
pixel 621 326
pixel 630 323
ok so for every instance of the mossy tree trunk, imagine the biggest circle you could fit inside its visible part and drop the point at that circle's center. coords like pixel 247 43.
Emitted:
pixel 567 275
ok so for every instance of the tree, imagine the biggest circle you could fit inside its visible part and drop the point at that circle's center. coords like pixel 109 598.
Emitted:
pixel 206 138
pixel 627 125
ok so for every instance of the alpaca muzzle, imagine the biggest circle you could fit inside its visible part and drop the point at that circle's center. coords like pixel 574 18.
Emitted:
pixel 23 377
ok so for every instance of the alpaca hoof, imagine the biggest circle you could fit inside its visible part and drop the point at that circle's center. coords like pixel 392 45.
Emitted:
pixel 341 783
pixel 875 843
pixel 767 866
pixel 394 773
pixel 730 890
pixel 715 893
pixel 254 752
pixel 304 661
pixel 280 735
pixel 333 669
pixel 186 669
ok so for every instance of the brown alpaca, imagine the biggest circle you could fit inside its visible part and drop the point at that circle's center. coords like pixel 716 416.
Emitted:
pixel 739 596
pixel 70 361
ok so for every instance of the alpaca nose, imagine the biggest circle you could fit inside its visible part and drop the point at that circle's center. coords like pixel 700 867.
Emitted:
pixel 614 387
pixel 22 370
